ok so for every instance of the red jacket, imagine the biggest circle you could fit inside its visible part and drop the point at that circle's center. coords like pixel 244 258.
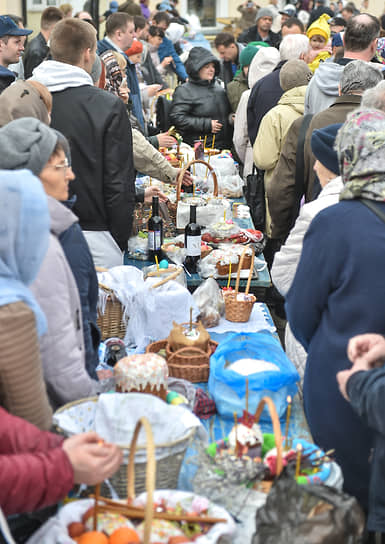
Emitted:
pixel 34 469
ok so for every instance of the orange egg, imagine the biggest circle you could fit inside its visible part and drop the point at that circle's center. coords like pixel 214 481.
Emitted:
pixel 93 537
pixel 124 535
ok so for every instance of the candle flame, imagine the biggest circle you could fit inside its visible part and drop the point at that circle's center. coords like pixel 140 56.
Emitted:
pixel 288 399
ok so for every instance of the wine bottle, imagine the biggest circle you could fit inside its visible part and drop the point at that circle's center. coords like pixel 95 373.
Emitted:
pixel 155 231
pixel 192 242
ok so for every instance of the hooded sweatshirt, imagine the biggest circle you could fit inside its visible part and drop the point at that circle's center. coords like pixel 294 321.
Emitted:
pixel 22 100
pixel 323 87
pixel 58 76
pixel 262 64
pixel 196 103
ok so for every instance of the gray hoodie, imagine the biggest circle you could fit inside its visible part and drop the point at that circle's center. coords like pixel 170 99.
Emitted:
pixel 323 87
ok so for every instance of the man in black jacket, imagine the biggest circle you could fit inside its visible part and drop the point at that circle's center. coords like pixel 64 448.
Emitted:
pixel 98 129
pixel 229 51
pixel 38 49
pixel 261 31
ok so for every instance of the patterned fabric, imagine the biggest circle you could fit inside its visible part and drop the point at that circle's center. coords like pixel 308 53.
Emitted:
pixel 204 406
pixel 360 145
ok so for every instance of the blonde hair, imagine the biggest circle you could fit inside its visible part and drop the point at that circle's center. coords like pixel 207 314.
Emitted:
pixel 120 60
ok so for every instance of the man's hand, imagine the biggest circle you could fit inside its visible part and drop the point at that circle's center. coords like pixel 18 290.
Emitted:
pixel 91 458
pixel 165 140
pixel 154 191
pixel 187 178
pixel 215 126
pixel 344 375
pixel 153 89
pixel 369 348
pixel 166 61
pixel 124 91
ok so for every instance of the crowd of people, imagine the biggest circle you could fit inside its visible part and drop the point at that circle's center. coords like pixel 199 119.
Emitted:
pixel 298 96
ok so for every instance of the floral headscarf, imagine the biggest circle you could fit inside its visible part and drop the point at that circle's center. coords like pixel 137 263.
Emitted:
pixel 360 146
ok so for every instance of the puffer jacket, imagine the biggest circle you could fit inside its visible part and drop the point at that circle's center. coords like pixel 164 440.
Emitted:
pixel 35 471
pixel 273 129
pixel 167 49
pixel 196 103
pixel 62 346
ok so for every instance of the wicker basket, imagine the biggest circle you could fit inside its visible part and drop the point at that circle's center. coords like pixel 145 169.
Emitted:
pixel 189 363
pixel 169 460
pixel 111 323
pixel 238 311
pixel 184 170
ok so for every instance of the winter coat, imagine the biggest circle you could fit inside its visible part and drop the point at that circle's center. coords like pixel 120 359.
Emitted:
pixel 166 49
pixel 35 471
pixel 226 73
pixel 322 90
pixel 235 89
pixel 262 64
pixel 336 113
pixel 22 388
pixel 338 292
pixel 274 126
pixel 37 51
pixel 252 35
pixel 287 258
pixel 366 393
pixel 98 129
pixel 132 80
pixel 264 96
pixel 196 103
pixel 82 266
pixel 62 346
pixel 149 70
pixel 6 78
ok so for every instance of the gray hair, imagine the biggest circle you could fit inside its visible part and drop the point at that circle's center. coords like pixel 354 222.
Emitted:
pixel 374 98
pixel 293 46
pixel 96 70
pixel 357 76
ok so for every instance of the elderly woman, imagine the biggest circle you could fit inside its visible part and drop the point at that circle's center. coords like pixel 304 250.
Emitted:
pixel 338 292
pixel 200 107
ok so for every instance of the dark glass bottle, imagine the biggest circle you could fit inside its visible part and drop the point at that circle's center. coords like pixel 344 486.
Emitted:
pixel 192 242
pixel 155 232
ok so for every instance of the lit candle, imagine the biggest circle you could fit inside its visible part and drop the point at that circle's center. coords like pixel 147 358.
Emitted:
pixel 298 461
pixel 288 413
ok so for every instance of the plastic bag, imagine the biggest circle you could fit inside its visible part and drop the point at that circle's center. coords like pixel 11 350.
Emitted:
pixel 258 357
pixel 315 514
pixel 208 297
pixel 208 211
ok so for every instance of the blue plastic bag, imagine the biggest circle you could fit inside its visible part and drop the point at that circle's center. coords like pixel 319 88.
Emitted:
pixel 228 388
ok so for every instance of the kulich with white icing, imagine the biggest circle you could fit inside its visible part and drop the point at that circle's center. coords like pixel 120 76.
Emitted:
pixel 136 372
pixel 245 436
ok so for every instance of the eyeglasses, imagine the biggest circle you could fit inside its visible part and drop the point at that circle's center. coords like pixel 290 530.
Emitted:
pixel 65 164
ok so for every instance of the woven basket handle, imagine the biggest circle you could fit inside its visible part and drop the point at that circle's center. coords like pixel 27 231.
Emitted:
pixel 184 170
pixel 150 474
pixel 276 427
pixel 240 268
pixel 184 350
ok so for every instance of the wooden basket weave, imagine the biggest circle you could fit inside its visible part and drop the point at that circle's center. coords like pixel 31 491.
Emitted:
pixel 239 311
pixel 111 323
pixel 189 363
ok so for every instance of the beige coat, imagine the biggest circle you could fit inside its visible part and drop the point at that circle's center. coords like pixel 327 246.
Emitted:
pixel 149 161
pixel 272 131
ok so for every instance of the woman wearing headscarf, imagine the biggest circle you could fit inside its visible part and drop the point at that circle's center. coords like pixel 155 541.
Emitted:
pixel 23 245
pixel 338 292
pixel 200 107
pixel 28 143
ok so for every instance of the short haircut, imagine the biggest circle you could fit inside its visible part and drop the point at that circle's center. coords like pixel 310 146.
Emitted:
pixel 50 17
pixel 293 46
pixel 118 21
pixel 70 38
pixel 45 95
pixel 156 31
pixel 161 16
pixel 224 38
pixel 294 21
pixel 374 98
pixel 337 21
pixel 348 8
pixel 360 32
pixel 139 22
pixel 357 76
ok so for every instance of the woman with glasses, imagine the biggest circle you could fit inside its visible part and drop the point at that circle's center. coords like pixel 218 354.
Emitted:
pixel 29 143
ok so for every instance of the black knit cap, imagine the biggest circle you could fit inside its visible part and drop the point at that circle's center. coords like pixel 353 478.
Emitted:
pixel 322 145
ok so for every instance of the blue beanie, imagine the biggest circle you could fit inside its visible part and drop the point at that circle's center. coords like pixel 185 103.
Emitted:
pixel 322 145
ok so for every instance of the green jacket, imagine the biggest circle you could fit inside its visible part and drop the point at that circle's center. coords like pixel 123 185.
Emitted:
pixel 235 89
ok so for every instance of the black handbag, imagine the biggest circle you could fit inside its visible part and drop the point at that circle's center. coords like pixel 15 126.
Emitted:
pixel 254 193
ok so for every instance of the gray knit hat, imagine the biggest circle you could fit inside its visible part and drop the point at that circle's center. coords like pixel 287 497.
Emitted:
pixel 294 73
pixel 26 143
pixel 264 12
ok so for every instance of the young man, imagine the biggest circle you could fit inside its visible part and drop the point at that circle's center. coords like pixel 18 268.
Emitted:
pixel 37 49
pixel 97 126
pixel 261 31
pixel 229 51
pixel 12 40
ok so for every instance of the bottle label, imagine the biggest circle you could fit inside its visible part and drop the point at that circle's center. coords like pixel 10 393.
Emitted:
pixel 154 240
pixel 193 246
